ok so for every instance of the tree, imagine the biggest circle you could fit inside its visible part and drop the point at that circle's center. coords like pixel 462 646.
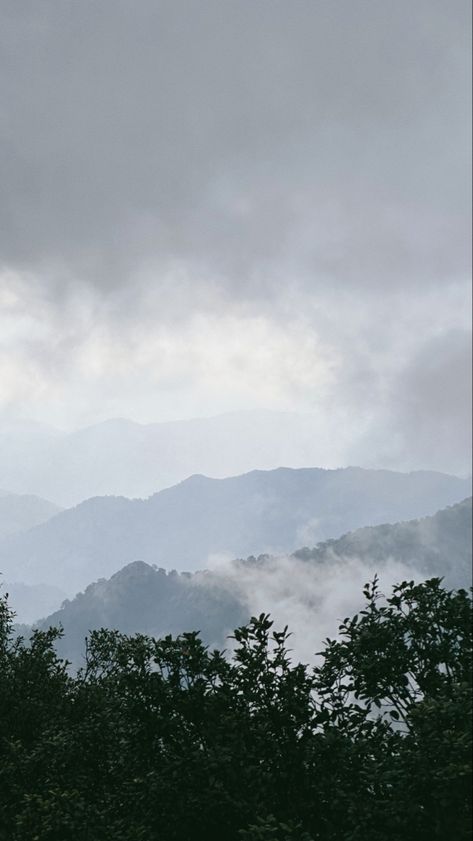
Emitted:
pixel 167 738
pixel 401 675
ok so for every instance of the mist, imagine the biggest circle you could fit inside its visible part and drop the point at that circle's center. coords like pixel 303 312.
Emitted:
pixel 312 603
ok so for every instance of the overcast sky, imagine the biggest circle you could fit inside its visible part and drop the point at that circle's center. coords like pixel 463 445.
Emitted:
pixel 210 205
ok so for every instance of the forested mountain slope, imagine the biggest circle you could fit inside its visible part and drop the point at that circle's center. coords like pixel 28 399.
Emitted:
pixel 142 598
pixel 439 545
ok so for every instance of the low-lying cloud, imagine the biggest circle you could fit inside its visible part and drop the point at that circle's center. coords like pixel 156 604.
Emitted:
pixel 311 600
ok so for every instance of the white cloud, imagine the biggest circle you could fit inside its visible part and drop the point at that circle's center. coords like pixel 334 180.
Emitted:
pixel 312 602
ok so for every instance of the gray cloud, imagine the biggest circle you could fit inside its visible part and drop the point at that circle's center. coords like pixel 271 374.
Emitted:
pixel 224 133
pixel 432 402
pixel 178 174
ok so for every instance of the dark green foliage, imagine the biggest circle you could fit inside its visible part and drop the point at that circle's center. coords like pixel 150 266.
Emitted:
pixel 408 662
pixel 168 739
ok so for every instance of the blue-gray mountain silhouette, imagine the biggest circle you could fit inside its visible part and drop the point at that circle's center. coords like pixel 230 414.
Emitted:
pixel 255 513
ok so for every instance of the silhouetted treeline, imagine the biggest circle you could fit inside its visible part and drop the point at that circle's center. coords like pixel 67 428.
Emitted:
pixel 166 739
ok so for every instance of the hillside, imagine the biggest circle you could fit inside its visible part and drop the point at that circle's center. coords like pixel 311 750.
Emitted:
pixel 440 545
pixel 185 525
pixel 305 590
pixel 19 512
pixel 141 598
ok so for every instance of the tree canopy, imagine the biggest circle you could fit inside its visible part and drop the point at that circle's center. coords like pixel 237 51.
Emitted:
pixel 165 738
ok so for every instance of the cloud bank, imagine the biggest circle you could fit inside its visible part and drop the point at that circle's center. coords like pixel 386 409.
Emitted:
pixel 213 206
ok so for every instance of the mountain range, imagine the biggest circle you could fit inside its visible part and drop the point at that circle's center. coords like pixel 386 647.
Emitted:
pixel 189 525
pixel 123 458
pixel 142 598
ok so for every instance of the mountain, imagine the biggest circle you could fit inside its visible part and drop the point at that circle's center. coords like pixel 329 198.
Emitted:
pixel 185 525
pixel 142 598
pixel 122 458
pixel 437 546
pixel 19 512
pixel 298 589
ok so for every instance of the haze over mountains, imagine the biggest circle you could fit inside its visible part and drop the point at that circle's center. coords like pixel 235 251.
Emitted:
pixel 32 600
pixel 23 511
pixel 305 589
pixel 124 458
pixel 191 524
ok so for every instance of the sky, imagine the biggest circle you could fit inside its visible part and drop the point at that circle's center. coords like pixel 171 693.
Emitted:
pixel 210 205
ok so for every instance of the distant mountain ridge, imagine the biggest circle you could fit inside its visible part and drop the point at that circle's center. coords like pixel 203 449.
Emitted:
pixel 124 458
pixel 140 598
pixel 185 525
pixel 121 457
pixel 19 512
